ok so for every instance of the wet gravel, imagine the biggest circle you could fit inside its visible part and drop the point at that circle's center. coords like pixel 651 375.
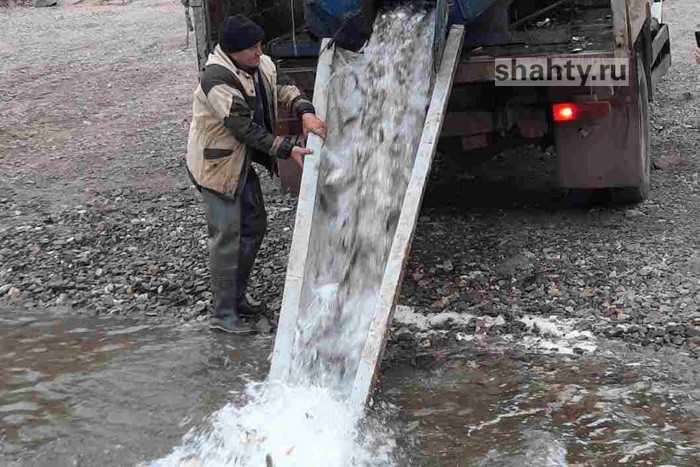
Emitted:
pixel 97 215
pixel 123 253
pixel 496 239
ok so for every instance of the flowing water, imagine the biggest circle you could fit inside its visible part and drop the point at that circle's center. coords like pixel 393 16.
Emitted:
pixel 377 105
pixel 84 391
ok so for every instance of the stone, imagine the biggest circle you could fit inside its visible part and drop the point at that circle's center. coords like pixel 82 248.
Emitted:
pixel 108 300
pixel 441 321
pixel 694 343
pixel 693 264
pixel 263 326
pixel 403 334
pixel 45 3
pixel 632 213
pixel 514 265
pixel 692 328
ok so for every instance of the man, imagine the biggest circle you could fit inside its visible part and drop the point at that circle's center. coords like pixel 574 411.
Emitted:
pixel 233 122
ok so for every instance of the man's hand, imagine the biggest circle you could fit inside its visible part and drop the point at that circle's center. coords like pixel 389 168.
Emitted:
pixel 298 154
pixel 313 124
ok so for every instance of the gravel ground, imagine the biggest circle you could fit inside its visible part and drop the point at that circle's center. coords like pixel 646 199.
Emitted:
pixel 496 240
pixel 98 216
pixel 97 213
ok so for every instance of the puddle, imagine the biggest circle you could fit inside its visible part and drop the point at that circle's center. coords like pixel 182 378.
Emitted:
pixel 510 409
pixel 82 392
pixel 88 391
pixel 33 353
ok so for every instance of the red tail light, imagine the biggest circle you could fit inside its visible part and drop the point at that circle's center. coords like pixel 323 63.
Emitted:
pixel 569 112
pixel 565 112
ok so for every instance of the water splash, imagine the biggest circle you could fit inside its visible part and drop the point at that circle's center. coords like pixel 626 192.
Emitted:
pixel 377 105
pixel 283 425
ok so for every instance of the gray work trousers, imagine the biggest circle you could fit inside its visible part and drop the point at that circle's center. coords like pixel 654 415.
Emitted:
pixel 236 230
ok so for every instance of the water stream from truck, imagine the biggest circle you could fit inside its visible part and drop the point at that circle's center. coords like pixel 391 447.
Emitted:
pixel 377 102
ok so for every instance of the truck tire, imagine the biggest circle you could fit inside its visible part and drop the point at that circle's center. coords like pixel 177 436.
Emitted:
pixel 641 192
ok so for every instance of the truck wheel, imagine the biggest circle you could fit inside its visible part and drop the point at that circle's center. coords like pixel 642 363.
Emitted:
pixel 641 192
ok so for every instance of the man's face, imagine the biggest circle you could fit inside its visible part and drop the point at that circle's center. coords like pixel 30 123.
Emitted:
pixel 249 57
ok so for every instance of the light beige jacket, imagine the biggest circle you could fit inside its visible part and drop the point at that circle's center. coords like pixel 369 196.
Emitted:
pixel 223 137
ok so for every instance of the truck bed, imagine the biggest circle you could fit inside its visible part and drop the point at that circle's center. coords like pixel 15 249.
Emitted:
pixel 568 30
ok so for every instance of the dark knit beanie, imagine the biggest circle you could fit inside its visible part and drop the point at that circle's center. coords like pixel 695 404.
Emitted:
pixel 238 33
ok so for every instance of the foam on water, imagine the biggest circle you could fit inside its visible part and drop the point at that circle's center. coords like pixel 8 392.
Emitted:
pixel 377 105
pixel 283 425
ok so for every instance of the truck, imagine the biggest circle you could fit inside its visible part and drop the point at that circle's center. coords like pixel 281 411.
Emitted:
pixel 600 133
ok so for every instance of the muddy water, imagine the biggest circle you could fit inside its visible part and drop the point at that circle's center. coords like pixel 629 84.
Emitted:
pixel 514 409
pixel 89 392
pixel 84 392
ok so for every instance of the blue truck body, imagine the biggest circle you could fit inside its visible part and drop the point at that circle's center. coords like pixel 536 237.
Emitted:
pixel 346 20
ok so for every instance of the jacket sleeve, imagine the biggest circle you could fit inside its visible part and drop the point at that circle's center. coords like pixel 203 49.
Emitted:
pixel 290 97
pixel 236 115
